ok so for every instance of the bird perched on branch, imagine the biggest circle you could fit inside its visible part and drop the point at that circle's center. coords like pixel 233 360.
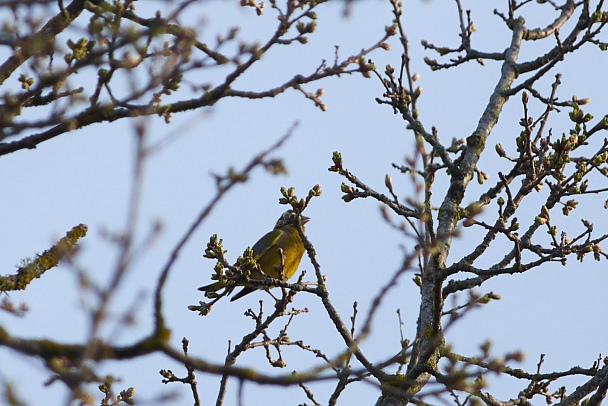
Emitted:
pixel 266 253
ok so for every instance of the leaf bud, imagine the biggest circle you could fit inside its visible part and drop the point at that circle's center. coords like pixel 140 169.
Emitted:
pixel 388 182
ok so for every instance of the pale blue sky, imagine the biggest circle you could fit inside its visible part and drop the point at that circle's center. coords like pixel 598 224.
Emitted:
pixel 84 177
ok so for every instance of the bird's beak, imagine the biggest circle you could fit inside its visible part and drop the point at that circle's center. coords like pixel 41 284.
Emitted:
pixel 305 220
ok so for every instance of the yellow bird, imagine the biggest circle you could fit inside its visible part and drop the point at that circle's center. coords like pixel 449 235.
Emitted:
pixel 266 253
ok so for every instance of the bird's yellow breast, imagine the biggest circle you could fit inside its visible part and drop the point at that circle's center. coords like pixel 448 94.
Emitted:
pixel 266 252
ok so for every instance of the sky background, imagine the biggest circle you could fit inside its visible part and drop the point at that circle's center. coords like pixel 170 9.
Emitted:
pixel 85 177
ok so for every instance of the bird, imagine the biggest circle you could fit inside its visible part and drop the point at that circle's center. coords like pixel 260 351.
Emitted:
pixel 266 253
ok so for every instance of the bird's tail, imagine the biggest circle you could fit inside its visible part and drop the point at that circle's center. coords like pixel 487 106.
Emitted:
pixel 214 287
pixel 245 291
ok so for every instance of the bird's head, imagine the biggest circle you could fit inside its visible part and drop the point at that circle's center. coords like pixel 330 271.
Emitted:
pixel 291 217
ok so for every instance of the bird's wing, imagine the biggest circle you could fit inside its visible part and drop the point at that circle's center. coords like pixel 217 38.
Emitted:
pixel 267 243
